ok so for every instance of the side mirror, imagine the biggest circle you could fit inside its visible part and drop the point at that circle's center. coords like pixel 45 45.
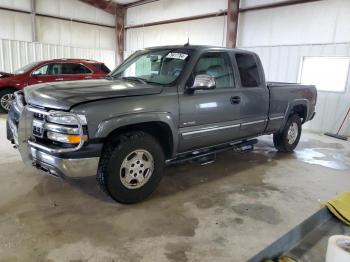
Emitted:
pixel 203 82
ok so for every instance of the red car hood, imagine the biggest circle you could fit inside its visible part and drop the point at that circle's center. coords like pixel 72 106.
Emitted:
pixel 4 74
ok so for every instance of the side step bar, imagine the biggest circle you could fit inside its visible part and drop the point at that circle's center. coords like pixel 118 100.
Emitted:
pixel 197 155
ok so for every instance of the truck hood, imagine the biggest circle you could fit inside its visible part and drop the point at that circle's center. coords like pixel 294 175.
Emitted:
pixel 4 74
pixel 64 95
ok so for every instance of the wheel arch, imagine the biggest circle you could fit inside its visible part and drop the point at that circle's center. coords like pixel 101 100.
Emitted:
pixel 160 126
pixel 14 89
pixel 299 107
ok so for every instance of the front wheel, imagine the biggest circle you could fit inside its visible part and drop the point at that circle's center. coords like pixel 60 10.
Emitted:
pixel 288 139
pixel 131 169
pixel 6 98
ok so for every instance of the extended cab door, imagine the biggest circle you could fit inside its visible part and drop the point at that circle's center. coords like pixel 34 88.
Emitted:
pixel 210 117
pixel 253 94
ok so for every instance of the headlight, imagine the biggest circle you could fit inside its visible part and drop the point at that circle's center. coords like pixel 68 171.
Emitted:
pixel 63 138
pixel 66 120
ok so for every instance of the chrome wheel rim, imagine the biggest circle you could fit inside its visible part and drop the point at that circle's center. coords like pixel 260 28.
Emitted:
pixel 6 101
pixel 292 133
pixel 136 169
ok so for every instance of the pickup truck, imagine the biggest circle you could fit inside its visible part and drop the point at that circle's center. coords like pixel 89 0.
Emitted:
pixel 162 105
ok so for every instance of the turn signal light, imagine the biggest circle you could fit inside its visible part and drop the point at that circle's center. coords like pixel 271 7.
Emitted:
pixel 69 139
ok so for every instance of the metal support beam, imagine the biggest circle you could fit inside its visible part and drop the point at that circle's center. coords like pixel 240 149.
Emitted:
pixel 120 33
pixel 232 23
pixel 33 19
pixel 277 4
pixel 108 6
pixel 141 2
pixel 178 20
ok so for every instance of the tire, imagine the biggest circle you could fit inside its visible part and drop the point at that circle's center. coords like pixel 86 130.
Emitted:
pixel 117 181
pixel 287 140
pixel 5 103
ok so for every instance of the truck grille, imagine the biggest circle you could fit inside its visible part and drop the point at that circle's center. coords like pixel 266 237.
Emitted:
pixel 39 116
pixel 39 120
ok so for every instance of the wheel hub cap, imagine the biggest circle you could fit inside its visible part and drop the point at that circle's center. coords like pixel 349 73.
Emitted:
pixel 292 133
pixel 136 169
pixel 6 101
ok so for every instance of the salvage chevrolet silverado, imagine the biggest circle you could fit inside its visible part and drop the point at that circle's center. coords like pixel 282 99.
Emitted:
pixel 162 105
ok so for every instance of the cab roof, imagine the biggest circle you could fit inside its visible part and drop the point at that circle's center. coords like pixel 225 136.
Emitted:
pixel 198 48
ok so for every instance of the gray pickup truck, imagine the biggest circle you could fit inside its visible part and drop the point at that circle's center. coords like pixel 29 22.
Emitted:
pixel 162 105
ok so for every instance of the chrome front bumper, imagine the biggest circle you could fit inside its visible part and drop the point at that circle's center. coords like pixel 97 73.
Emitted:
pixel 63 167
pixel 32 153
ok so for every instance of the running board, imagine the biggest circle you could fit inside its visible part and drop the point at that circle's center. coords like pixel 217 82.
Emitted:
pixel 198 154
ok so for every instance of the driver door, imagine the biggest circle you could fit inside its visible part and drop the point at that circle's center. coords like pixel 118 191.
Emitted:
pixel 210 117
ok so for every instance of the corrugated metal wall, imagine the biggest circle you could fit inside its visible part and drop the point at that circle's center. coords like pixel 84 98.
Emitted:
pixel 282 63
pixel 18 26
pixel 209 31
pixel 178 34
pixel 14 54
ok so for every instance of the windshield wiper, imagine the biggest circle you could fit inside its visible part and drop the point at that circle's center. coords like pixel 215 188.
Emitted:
pixel 109 77
pixel 134 78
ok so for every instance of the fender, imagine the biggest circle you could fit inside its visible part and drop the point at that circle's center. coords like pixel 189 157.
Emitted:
pixel 291 105
pixel 108 126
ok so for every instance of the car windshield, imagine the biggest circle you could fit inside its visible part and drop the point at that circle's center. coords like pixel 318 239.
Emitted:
pixel 160 67
pixel 25 68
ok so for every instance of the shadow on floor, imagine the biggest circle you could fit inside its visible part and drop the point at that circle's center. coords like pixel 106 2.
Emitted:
pixel 183 177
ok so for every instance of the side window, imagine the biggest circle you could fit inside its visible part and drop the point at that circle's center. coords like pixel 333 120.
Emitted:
pixel 55 69
pixel 217 65
pixel 74 69
pixel 42 70
pixel 248 70
pixel 102 67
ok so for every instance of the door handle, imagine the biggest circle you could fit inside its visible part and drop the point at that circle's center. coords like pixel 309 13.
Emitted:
pixel 59 79
pixel 88 77
pixel 235 100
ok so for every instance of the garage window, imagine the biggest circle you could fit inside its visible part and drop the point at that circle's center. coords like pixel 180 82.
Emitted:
pixel 328 74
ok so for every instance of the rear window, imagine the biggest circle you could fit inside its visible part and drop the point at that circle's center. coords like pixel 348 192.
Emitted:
pixel 102 67
pixel 248 70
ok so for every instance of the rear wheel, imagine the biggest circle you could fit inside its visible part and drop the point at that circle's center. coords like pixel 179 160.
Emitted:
pixel 6 98
pixel 288 139
pixel 131 169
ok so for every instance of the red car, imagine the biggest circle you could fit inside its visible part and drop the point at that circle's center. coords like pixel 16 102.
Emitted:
pixel 47 71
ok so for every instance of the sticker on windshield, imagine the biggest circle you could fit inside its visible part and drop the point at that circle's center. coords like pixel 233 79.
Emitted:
pixel 177 56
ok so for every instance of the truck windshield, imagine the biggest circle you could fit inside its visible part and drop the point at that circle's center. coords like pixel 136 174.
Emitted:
pixel 25 68
pixel 161 67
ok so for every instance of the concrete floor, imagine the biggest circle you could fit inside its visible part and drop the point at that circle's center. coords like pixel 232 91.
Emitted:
pixel 225 211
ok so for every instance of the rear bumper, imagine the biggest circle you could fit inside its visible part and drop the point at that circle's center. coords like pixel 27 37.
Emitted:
pixel 64 167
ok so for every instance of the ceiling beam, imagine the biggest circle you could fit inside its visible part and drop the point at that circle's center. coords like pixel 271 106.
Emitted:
pixel 232 23
pixel 178 20
pixel 140 2
pixel 224 12
pixel 108 6
pixel 277 4
pixel 111 6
